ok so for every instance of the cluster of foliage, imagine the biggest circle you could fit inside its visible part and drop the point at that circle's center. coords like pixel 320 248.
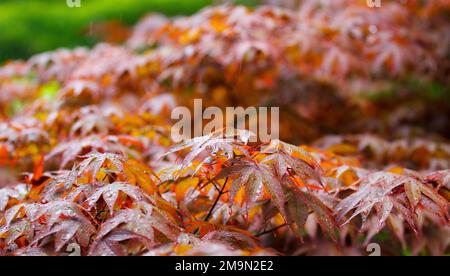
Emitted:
pixel 86 156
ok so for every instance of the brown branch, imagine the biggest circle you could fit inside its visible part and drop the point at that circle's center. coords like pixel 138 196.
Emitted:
pixel 271 230
pixel 217 200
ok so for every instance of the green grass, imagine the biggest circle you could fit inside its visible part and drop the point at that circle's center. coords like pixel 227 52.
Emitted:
pixel 32 26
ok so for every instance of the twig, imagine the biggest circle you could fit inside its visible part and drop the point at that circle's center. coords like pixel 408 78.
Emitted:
pixel 217 200
pixel 271 230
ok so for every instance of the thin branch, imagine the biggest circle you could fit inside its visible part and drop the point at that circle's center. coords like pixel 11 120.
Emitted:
pixel 206 184
pixel 271 230
pixel 221 192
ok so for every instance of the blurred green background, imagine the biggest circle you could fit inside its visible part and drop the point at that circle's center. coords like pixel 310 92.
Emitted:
pixel 28 27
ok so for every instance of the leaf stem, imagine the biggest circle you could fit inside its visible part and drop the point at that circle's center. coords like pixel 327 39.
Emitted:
pixel 271 230
pixel 217 200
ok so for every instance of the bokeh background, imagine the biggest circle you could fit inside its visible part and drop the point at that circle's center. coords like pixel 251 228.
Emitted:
pixel 28 27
